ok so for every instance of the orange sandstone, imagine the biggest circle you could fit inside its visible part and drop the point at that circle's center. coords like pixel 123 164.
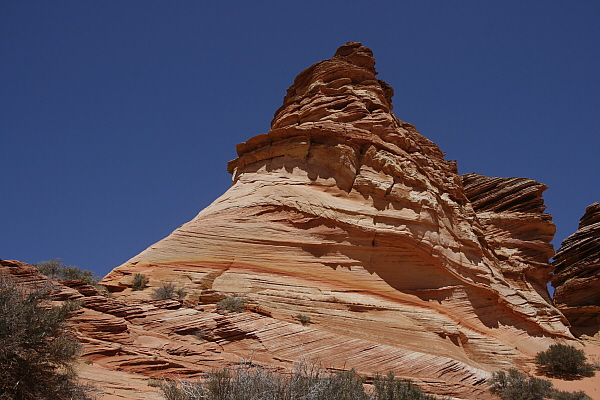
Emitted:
pixel 345 214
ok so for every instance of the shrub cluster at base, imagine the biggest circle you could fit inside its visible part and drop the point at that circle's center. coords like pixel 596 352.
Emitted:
pixel 37 352
pixel 564 361
pixel 515 385
pixel 306 382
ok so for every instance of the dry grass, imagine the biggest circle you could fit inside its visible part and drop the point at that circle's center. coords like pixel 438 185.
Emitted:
pixel 308 381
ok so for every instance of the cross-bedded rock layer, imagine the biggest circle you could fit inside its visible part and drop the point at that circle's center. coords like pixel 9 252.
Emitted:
pixel 345 214
pixel 577 274
pixel 511 212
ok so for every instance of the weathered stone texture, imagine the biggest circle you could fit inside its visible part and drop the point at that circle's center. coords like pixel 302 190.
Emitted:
pixel 348 215
pixel 577 274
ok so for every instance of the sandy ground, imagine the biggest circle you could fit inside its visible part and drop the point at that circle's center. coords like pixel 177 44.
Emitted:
pixel 122 384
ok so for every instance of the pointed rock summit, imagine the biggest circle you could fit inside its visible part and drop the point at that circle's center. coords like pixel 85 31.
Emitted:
pixel 347 215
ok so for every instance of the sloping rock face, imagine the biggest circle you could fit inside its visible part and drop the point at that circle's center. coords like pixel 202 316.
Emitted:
pixel 511 213
pixel 127 342
pixel 345 214
pixel 577 275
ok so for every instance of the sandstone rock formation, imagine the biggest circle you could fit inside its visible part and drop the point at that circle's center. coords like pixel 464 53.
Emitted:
pixel 511 212
pixel 577 275
pixel 128 342
pixel 345 214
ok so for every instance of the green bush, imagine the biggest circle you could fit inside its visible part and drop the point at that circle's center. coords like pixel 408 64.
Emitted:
pixel 515 385
pixel 168 291
pixel 564 361
pixel 307 382
pixel 560 395
pixel 180 293
pixel 140 281
pixel 391 388
pixel 232 303
pixel 304 319
pixel 55 269
pixel 153 382
pixel 37 352
pixel 164 292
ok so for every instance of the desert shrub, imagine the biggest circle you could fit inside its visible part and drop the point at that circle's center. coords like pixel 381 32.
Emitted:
pixel 168 291
pixel 183 390
pixel 564 361
pixel 308 381
pixel 104 291
pixel 304 319
pixel 595 362
pixel 391 388
pixel 180 293
pixel 140 281
pixel 153 382
pixel 37 352
pixel 515 385
pixel 55 269
pixel 232 303
pixel 164 292
pixel 560 395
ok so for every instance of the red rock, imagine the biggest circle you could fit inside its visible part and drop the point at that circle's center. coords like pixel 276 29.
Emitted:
pixel 345 214
pixel 511 213
pixel 350 217
pixel 577 275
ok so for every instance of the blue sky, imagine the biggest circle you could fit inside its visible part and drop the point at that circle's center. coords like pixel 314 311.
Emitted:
pixel 117 118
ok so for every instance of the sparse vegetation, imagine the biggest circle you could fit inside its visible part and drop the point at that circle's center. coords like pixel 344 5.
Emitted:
pixel 561 395
pixel 140 281
pixel 201 334
pixel 304 319
pixel 564 361
pixel 153 382
pixel 180 293
pixel 104 291
pixel 595 362
pixel 37 351
pixel 232 303
pixel 55 269
pixel 168 291
pixel 515 385
pixel 392 388
pixel 307 382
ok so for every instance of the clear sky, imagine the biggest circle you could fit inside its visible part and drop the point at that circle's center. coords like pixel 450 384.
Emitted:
pixel 117 118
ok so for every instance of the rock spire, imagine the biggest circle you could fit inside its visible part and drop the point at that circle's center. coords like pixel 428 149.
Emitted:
pixel 346 214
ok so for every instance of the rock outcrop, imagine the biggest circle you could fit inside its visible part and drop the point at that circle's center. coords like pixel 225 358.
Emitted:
pixel 511 212
pixel 577 275
pixel 347 215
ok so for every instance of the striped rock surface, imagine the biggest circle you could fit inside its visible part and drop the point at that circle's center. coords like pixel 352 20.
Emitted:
pixel 347 215
pixel 577 275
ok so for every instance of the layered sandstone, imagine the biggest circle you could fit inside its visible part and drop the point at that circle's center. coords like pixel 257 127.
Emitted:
pixel 345 214
pixel 125 343
pixel 511 213
pixel 577 274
